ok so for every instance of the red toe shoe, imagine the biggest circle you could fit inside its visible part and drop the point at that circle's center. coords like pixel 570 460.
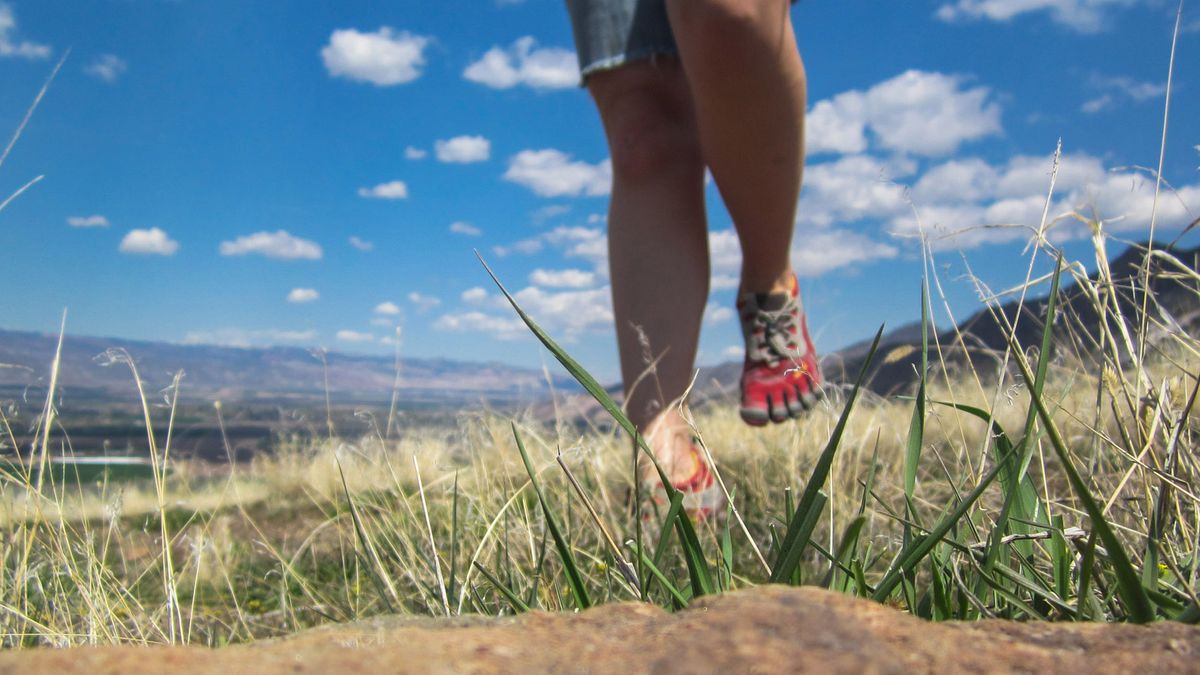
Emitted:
pixel 781 377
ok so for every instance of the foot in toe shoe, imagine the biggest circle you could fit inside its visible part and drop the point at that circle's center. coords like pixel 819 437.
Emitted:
pixel 781 378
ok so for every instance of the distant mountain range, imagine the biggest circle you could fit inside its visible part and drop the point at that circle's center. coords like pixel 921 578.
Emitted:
pixel 275 374
pixel 1177 303
pixel 287 374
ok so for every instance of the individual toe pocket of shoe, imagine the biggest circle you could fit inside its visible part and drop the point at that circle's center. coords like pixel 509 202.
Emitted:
pixel 755 417
pixel 779 411
pixel 795 403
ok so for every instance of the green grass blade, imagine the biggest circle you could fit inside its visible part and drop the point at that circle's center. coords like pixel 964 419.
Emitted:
pixel 517 603
pixel 1129 584
pixel 916 427
pixel 845 551
pixel 795 540
pixel 911 555
pixel 662 579
pixel 693 553
pixel 574 579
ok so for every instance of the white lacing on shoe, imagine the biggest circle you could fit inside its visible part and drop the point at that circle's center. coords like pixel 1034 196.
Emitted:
pixel 774 335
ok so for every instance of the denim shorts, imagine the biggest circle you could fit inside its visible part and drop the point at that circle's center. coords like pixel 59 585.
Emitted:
pixel 609 33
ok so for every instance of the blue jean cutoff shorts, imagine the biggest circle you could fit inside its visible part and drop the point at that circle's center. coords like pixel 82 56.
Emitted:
pixel 609 33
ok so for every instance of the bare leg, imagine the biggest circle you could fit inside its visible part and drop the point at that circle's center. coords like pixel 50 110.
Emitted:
pixel 657 231
pixel 749 90
pixel 748 86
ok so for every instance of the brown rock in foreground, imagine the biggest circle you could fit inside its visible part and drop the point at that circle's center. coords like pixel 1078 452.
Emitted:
pixel 769 629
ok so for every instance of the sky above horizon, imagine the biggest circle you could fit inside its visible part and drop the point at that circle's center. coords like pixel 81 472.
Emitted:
pixel 310 173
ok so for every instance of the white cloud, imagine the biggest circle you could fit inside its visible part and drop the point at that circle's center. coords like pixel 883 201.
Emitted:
pixel 552 173
pixel 87 221
pixel 388 308
pixel 1120 87
pixel 460 227
pixel 301 295
pixel 523 63
pixel 382 321
pixel 424 302
pixel 240 337
pixel 383 58
pixel 361 244
pixel 525 246
pixel 815 251
pixel 967 203
pixel 734 352
pixel 547 212
pixel 463 149
pixel 501 328
pixel 474 295
pixel 917 112
pixel 415 153
pixel 568 278
pixel 279 244
pixel 852 188
pixel 354 337
pixel 396 189
pixel 151 241
pixel 107 68
pixel 821 251
pixel 1084 16
pixel 10 47
pixel 714 313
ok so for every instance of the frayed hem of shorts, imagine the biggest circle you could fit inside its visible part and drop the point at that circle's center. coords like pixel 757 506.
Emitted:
pixel 614 62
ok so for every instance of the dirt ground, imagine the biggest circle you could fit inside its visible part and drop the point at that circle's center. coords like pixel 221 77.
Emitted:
pixel 768 629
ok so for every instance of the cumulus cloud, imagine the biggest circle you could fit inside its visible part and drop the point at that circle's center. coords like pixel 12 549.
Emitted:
pixel 396 189
pixel 714 313
pixel 10 46
pixel 501 328
pixel 474 295
pixel 302 295
pixel 460 227
pixel 245 338
pixel 424 302
pixel 917 112
pixel 552 173
pixel 415 153
pixel 383 58
pixel 152 241
pixel 388 309
pixel 87 221
pixel 463 149
pixel 524 63
pixel 279 244
pixel 1084 16
pixel 107 68
pixel 967 203
pixel 361 244
pixel 814 252
pixel 568 278
pixel 354 337
pixel 1120 87
pixel 852 188
pixel 548 212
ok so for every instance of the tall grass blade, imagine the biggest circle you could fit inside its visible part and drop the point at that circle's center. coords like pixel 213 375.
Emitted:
pixel 574 579
pixel 517 603
pixel 693 554
pixel 910 556
pixel 1129 585
pixel 796 538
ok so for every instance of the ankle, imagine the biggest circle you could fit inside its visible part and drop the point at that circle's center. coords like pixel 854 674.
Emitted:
pixel 768 285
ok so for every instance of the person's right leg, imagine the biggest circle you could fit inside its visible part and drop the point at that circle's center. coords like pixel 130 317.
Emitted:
pixel 657 240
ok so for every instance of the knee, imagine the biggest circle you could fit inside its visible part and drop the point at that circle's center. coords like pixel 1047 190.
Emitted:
pixel 650 126
pixel 718 22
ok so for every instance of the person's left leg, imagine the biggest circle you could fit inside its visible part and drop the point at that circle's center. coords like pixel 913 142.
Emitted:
pixel 749 89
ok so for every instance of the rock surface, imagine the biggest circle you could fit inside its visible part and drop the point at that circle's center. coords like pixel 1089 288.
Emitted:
pixel 768 629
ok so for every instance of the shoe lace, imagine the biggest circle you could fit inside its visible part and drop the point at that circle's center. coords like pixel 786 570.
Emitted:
pixel 771 345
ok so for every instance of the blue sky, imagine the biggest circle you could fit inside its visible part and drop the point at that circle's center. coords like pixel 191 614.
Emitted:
pixel 319 173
